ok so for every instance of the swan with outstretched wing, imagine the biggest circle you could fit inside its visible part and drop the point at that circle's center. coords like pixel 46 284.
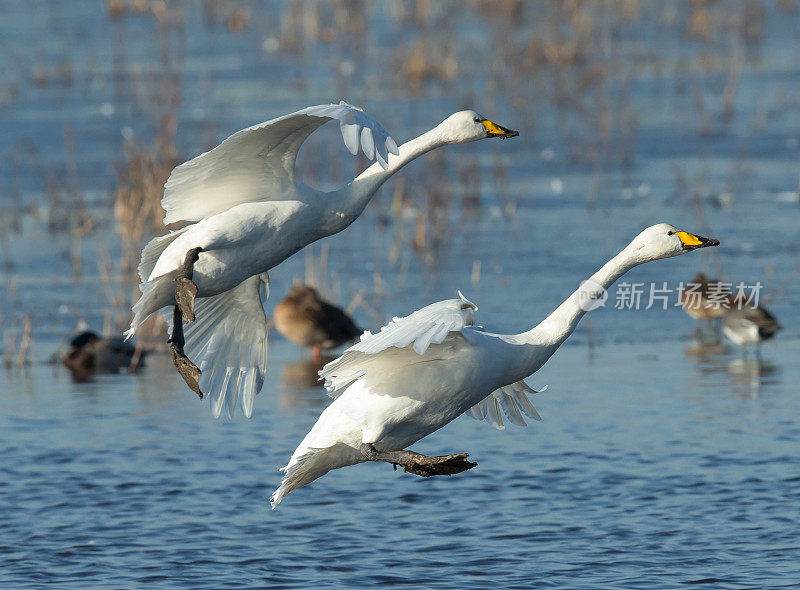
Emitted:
pixel 421 372
pixel 246 213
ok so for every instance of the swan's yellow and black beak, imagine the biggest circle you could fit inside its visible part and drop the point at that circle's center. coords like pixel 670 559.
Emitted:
pixel 495 130
pixel 693 242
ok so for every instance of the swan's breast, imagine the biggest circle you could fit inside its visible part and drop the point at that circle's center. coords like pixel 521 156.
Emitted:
pixel 245 240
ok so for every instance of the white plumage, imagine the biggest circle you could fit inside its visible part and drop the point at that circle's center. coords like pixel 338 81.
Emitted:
pixel 513 400
pixel 257 163
pixel 248 213
pixel 429 325
pixel 231 344
pixel 422 371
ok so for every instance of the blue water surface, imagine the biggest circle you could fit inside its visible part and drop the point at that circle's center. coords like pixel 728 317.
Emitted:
pixel 656 464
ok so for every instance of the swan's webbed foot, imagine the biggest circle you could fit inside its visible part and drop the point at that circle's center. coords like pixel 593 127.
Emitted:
pixel 186 368
pixel 418 464
pixel 185 289
pixel 185 292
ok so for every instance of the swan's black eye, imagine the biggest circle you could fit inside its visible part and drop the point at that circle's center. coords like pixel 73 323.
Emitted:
pixel 477 120
pixel 670 232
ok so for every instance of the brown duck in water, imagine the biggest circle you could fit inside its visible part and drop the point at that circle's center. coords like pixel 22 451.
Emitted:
pixel 706 300
pixel 307 320
pixel 90 354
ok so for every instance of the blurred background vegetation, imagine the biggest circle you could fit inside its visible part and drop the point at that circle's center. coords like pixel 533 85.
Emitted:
pixel 630 111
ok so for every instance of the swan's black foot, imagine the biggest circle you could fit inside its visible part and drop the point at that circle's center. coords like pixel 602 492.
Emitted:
pixel 418 464
pixel 185 292
pixel 186 368
pixel 185 289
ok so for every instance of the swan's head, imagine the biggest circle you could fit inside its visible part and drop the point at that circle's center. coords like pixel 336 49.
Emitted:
pixel 663 241
pixel 466 126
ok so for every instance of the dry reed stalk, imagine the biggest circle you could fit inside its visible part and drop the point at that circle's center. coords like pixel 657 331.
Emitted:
pixel 137 200
pixel 25 343
pixel 10 346
pixel 18 356
pixel 58 217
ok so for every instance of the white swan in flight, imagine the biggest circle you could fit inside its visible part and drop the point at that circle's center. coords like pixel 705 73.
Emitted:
pixel 422 371
pixel 247 213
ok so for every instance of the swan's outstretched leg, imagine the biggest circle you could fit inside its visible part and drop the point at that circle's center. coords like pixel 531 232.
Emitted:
pixel 185 289
pixel 423 465
pixel 187 369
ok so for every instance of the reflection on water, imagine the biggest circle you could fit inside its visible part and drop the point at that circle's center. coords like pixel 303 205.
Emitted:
pixel 753 374
pixel 743 375
pixel 304 373
pixel 705 349
pixel 300 385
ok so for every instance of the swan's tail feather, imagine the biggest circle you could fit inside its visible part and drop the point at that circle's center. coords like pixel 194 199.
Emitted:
pixel 312 465
pixel 155 295
pixel 152 252
pixel 228 343
pixel 158 292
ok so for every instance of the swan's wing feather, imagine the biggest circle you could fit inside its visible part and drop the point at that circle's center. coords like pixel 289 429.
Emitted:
pixel 512 399
pixel 257 163
pixel 228 342
pixel 373 367
pixel 413 334
pixel 368 143
pixel 429 325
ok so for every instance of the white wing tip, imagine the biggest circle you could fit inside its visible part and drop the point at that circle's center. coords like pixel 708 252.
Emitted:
pixel 343 103
pixel 391 146
pixel 466 302
pixel 376 143
pixel 275 499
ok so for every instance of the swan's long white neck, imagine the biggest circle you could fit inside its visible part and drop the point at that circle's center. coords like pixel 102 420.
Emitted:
pixel 557 327
pixel 351 200
pixel 540 342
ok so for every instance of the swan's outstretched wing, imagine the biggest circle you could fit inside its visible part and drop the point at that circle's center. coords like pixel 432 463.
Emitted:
pixel 228 342
pixel 257 163
pixel 512 399
pixel 427 326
